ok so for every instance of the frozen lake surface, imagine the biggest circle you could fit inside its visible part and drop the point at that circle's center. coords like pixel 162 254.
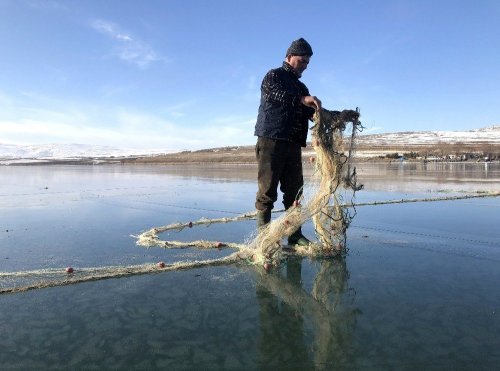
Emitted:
pixel 417 289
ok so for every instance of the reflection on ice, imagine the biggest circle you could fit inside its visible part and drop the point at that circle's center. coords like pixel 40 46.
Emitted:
pixel 417 288
pixel 307 329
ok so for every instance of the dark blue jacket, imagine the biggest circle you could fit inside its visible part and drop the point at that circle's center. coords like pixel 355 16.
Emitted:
pixel 281 115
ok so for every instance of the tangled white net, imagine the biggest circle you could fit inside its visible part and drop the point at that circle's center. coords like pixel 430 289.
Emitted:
pixel 335 179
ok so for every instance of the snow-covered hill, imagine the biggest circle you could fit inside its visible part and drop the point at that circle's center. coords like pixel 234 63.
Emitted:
pixel 489 135
pixel 368 145
pixel 68 151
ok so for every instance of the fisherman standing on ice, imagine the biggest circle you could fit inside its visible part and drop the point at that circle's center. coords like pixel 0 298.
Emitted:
pixel 281 128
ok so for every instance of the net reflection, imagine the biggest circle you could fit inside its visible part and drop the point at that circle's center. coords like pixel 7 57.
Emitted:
pixel 306 330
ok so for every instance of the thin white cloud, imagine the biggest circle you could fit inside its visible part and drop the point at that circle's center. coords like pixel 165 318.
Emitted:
pixel 127 47
pixel 228 131
pixel 114 90
pixel 179 109
pixel 40 120
pixel 375 54
pixel 127 131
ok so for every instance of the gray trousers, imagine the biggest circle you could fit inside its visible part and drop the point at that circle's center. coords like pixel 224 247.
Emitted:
pixel 279 162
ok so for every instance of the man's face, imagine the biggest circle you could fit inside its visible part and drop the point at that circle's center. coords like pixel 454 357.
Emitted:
pixel 299 63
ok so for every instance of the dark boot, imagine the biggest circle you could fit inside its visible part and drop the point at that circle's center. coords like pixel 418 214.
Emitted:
pixel 263 217
pixel 297 238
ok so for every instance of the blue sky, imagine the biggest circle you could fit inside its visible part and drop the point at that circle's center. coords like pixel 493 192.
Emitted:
pixel 178 75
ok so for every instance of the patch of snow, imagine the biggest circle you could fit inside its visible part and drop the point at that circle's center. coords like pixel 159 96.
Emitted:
pixel 489 135
pixel 11 152
pixel 489 129
pixel 70 151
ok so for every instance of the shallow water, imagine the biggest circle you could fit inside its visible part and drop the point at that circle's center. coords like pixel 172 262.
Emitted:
pixel 418 288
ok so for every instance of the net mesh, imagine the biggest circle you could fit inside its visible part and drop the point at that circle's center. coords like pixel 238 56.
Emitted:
pixel 335 180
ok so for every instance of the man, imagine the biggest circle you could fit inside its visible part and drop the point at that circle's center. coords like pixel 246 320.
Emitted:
pixel 281 128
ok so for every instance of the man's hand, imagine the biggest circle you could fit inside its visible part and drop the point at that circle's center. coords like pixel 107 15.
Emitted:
pixel 311 101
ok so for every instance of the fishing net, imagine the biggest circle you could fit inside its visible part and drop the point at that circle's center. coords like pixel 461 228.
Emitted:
pixel 335 181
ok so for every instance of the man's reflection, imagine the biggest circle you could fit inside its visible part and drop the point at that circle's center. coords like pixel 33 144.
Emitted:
pixel 333 339
pixel 281 340
pixel 302 330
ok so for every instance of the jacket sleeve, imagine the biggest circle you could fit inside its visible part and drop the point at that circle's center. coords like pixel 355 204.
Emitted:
pixel 274 91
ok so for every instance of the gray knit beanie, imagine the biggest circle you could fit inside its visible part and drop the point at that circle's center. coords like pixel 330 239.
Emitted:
pixel 299 47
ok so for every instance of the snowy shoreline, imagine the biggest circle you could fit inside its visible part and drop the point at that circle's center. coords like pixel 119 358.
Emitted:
pixel 369 147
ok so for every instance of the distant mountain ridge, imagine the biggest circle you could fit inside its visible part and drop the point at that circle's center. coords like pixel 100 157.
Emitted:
pixel 10 153
pixel 488 135
pixel 70 151
pixel 489 128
